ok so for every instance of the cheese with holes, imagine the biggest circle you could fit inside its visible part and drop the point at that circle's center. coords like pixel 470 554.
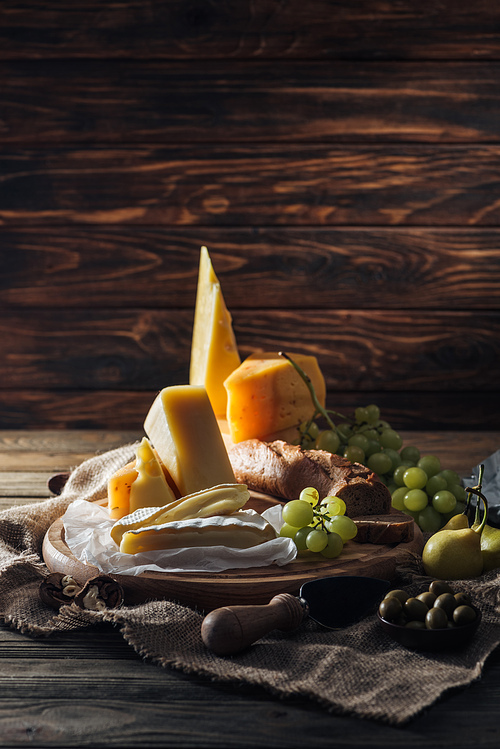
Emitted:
pixel 182 426
pixel 236 531
pixel 266 395
pixel 214 353
pixel 220 500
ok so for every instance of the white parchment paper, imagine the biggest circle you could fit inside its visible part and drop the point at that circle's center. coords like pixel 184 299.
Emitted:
pixel 87 531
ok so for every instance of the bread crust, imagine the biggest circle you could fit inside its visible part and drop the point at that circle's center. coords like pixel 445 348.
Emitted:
pixel 283 470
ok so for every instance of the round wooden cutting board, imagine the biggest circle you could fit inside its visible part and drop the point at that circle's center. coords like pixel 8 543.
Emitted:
pixel 257 585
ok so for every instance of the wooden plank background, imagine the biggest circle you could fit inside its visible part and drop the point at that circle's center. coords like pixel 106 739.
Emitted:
pixel 340 160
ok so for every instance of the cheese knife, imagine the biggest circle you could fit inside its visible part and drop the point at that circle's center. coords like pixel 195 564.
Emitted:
pixel 334 602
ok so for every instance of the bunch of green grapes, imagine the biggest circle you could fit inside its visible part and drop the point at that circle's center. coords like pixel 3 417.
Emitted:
pixel 417 483
pixel 317 526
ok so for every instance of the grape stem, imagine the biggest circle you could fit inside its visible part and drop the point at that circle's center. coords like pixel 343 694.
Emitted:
pixel 319 410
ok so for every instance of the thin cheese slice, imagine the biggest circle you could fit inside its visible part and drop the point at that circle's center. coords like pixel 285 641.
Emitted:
pixel 266 395
pixel 183 429
pixel 214 354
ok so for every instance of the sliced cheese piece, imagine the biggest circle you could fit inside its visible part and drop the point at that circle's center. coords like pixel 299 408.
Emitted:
pixel 150 489
pixel 182 426
pixel 219 500
pixel 266 395
pixel 119 487
pixel 214 353
pixel 233 531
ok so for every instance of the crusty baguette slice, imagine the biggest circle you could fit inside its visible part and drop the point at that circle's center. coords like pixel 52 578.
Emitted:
pixel 283 470
pixel 394 528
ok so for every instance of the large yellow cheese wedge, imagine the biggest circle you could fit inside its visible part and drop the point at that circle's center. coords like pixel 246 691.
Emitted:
pixel 266 395
pixel 214 353
pixel 182 426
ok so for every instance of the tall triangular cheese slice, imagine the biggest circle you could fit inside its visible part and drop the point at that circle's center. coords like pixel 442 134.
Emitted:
pixel 214 354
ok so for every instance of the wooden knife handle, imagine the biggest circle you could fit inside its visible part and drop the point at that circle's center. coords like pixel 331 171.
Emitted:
pixel 228 630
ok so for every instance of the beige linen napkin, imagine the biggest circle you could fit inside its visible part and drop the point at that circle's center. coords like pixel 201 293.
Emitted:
pixel 357 671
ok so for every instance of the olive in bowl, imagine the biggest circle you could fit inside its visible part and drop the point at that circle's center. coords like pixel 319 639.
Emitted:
pixel 436 619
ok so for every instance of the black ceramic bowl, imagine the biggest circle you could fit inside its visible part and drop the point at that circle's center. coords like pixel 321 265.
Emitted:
pixel 432 639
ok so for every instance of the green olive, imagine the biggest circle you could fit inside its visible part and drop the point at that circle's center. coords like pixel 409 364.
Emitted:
pixel 436 618
pixel 390 609
pixel 415 624
pixel 447 602
pixel 464 615
pixel 462 599
pixel 401 595
pixel 415 609
pixel 428 598
pixel 439 586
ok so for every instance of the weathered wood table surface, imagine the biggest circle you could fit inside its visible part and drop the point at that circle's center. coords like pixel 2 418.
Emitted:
pixel 91 689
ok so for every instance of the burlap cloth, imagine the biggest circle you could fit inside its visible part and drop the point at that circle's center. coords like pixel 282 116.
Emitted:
pixel 357 671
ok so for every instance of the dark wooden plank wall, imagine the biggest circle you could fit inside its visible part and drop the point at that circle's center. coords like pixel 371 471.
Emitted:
pixel 341 161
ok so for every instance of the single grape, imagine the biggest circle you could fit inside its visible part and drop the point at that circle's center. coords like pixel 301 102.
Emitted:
pixel 398 475
pixel 373 447
pixel 379 463
pixel 411 453
pixel 328 440
pixel 435 484
pixel 430 464
pixel 359 440
pixel 361 415
pixel 444 501
pixel 458 491
pixel 392 487
pixel 373 413
pixel 382 424
pixel 390 438
pixel 415 500
pixel 300 538
pixel 333 547
pixel 310 494
pixel 344 431
pixel 354 454
pixel 415 478
pixel 398 498
pixel 288 531
pixel 429 520
pixel 394 456
pixel 334 505
pixel 312 430
pixel 297 513
pixel 343 525
pixel 450 476
pixel 316 540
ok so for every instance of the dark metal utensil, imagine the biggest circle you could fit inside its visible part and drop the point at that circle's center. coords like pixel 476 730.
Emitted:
pixel 333 602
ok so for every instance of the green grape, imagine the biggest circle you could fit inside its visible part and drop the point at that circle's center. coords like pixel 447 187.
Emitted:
pixel 381 424
pixel 415 500
pixel 343 525
pixel 344 431
pixel 361 415
pixel 359 440
pixel 328 440
pixel 429 520
pixel 373 413
pixel 300 538
pixel 316 540
pixel 312 431
pixel 458 510
pixel 435 484
pixel 415 478
pixel 371 434
pixel 394 456
pixel 297 513
pixel 333 547
pixel 398 498
pixel 373 447
pixel 398 475
pixel 392 487
pixel 458 491
pixel 410 453
pixel 354 454
pixel 430 464
pixel 311 495
pixel 379 463
pixel 288 531
pixel 450 476
pixel 390 438
pixel 334 505
pixel 444 501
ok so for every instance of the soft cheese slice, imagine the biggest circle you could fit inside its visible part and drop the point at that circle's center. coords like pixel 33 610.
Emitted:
pixel 219 500
pixel 150 489
pixel 214 353
pixel 183 429
pixel 266 395
pixel 234 531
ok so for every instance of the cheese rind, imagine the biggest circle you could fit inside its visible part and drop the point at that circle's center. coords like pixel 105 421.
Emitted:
pixel 214 353
pixel 183 429
pixel 267 395
pixel 233 531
